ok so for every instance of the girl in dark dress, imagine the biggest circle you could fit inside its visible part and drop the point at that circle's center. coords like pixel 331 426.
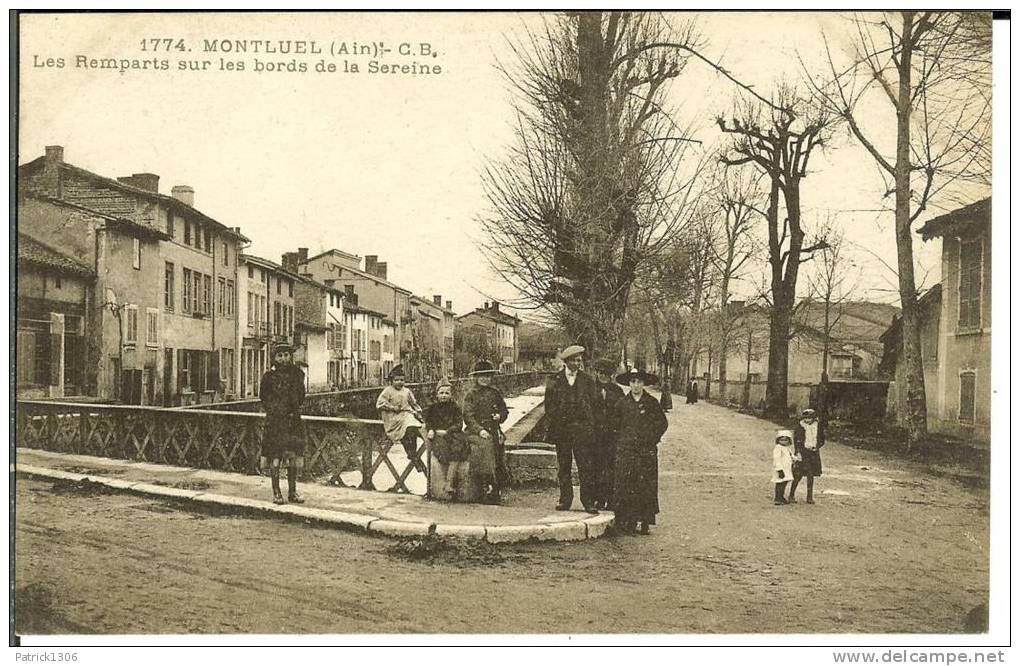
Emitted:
pixel 444 427
pixel 640 424
pixel 808 439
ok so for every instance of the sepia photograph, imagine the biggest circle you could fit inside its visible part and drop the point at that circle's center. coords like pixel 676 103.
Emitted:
pixel 528 327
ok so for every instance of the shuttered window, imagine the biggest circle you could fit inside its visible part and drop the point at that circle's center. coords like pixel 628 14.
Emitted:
pixel 970 285
pixel 967 396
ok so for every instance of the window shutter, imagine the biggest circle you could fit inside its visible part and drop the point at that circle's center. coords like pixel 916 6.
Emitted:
pixel 967 396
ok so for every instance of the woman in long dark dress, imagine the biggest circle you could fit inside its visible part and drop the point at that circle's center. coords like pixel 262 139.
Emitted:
pixel 640 424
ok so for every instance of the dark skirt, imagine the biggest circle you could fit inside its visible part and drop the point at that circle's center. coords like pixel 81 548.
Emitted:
pixel 636 496
pixel 810 464
pixel 451 447
pixel 283 435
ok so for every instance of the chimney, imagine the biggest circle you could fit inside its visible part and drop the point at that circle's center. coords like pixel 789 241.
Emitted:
pixel 380 269
pixel 486 306
pixel 143 181
pixel 51 170
pixel 289 260
pixel 437 299
pixel 183 193
pixel 303 254
pixel 495 306
pixel 370 262
pixel 449 305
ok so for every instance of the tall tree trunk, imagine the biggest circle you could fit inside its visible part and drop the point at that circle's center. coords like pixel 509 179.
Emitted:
pixel 916 417
pixel 746 400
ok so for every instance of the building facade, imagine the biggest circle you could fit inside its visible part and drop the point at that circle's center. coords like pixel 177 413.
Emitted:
pixel 956 328
pixel 490 333
pixel 267 316
pixel 194 263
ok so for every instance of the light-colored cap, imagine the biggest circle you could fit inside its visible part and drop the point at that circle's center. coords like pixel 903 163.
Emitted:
pixel 571 351
pixel 784 433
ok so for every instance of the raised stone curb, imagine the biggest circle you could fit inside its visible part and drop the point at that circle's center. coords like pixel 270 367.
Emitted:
pixel 400 528
pixel 578 530
pixel 515 533
pixel 466 531
pixel 568 531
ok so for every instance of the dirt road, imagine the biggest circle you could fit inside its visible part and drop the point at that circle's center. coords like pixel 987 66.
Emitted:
pixel 887 548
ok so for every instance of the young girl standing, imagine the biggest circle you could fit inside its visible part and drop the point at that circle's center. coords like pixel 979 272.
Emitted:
pixel 782 464
pixel 808 438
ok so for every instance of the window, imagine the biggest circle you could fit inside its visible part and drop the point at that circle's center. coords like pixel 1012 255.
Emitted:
pixel 279 285
pixel 374 354
pixel 151 327
pixel 231 295
pixel 967 402
pixel 290 288
pixel 221 295
pixel 168 287
pixel 251 308
pixel 276 318
pixel 206 294
pixel 251 272
pixel 227 368
pixel 226 255
pixel 170 223
pixel 208 241
pixel 198 292
pixel 187 232
pixel 387 344
pixel 263 278
pixel 970 284
pixel 186 297
pixel 136 254
pixel 131 325
pixel 58 282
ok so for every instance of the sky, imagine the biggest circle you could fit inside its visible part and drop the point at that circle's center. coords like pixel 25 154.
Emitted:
pixel 384 164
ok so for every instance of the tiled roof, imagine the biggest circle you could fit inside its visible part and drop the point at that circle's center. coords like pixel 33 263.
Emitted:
pixel 39 254
pixel 968 216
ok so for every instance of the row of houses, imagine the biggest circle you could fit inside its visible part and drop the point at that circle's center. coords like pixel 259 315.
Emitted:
pixel 126 294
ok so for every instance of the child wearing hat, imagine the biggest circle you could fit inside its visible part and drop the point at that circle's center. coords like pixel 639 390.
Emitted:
pixel 808 438
pixel 782 464
pixel 282 392
pixel 444 428
pixel 401 416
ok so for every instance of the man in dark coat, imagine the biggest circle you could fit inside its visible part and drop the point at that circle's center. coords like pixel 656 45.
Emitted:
pixel 484 410
pixel 640 424
pixel 609 392
pixel 282 391
pixel 571 401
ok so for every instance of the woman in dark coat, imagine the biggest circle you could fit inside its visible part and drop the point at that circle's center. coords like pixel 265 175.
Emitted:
pixel 692 392
pixel 640 424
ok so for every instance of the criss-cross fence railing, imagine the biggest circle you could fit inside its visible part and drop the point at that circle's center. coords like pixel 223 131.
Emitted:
pixel 209 439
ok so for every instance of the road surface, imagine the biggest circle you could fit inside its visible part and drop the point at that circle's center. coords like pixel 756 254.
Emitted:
pixel 887 548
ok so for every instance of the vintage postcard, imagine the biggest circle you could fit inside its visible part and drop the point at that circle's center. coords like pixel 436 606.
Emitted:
pixel 595 324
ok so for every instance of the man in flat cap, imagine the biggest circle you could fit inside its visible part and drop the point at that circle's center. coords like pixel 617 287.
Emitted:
pixel 571 401
pixel 282 391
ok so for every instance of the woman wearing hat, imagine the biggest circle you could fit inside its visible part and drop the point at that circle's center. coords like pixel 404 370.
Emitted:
pixel 401 416
pixel 640 424
pixel 808 439
pixel 282 391
pixel 484 410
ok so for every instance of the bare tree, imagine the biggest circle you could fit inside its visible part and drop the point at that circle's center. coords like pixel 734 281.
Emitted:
pixel 778 139
pixel 596 183
pixel 739 204
pixel 832 284
pixel 931 71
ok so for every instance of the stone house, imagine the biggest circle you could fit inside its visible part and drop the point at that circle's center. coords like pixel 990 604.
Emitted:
pixel 497 330
pixel 197 273
pixel 105 337
pixel 267 315
pixel 956 327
